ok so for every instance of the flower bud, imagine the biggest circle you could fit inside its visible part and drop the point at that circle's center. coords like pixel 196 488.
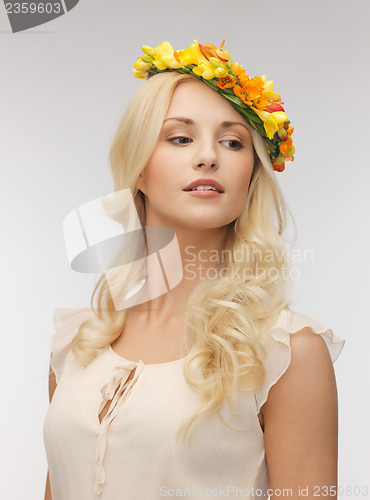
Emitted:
pixel 282 134
pixel 148 50
pixel 279 163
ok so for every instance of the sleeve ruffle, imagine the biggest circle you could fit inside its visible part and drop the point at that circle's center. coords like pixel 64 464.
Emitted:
pixel 66 324
pixel 278 350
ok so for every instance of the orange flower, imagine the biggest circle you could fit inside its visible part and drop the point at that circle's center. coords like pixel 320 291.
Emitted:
pixel 258 82
pixel 209 50
pixel 250 91
pixel 208 62
pixel 237 69
pixel 222 55
pixel 261 103
pixel 286 146
pixel 242 93
pixel 176 56
pixel 227 82
pixel 274 106
pixel 244 79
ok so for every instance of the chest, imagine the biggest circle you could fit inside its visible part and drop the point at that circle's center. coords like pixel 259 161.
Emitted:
pixel 151 411
pixel 142 435
pixel 152 341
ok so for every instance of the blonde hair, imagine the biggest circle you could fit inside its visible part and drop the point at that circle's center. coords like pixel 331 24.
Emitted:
pixel 228 316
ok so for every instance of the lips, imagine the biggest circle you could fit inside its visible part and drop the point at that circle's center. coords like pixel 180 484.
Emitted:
pixel 205 182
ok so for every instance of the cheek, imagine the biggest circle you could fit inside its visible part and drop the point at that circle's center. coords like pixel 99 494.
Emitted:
pixel 153 174
pixel 243 174
pixel 160 180
pixel 239 196
pixel 166 171
pixel 161 166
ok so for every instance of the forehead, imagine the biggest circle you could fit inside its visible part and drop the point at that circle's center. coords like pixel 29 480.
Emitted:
pixel 197 98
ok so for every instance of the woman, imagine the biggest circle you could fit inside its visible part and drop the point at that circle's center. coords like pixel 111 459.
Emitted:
pixel 215 388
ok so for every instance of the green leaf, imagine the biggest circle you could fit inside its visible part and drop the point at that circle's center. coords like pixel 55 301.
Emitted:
pixel 233 98
pixel 211 83
pixel 228 91
pixel 184 70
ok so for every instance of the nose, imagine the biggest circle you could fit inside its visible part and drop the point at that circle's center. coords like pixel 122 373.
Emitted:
pixel 206 155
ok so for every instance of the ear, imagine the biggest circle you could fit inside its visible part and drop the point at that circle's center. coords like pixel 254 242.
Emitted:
pixel 140 183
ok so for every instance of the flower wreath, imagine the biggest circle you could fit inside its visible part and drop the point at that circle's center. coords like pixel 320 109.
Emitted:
pixel 254 98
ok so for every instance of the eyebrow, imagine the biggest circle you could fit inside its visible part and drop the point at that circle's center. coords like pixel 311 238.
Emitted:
pixel 189 121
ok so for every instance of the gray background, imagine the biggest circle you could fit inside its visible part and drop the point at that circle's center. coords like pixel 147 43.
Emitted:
pixel 64 86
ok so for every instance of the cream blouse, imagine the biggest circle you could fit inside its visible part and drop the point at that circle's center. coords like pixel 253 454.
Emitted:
pixel 132 454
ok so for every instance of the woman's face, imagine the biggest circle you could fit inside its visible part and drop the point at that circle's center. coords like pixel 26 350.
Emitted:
pixel 202 137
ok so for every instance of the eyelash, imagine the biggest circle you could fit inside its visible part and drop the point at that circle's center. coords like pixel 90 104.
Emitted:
pixel 239 144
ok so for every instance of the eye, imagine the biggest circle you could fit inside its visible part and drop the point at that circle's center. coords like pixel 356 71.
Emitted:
pixel 233 144
pixel 180 140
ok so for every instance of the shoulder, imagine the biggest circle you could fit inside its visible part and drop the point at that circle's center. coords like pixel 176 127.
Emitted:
pixel 309 374
pixel 301 415
pixel 296 344
pixel 66 324
pixel 309 355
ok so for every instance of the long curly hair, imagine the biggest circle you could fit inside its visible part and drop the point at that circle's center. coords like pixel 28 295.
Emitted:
pixel 229 316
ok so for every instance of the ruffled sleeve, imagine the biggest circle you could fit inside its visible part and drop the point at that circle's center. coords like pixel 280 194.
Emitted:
pixel 66 324
pixel 278 350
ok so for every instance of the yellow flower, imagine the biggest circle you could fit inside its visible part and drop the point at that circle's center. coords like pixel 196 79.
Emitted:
pixel 271 121
pixel 272 96
pixel 220 67
pixel 141 68
pixel 221 72
pixel 164 57
pixel 192 55
pixel 206 70
pixel 269 90
pixel 271 126
pixel 212 63
pixel 281 117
